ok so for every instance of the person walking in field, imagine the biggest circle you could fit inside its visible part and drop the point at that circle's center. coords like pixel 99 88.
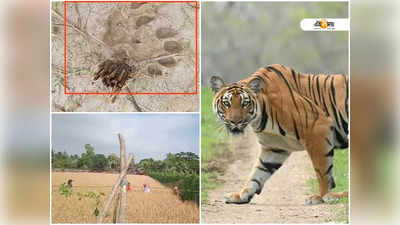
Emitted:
pixel 69 183
pixel 176 190
pixel 146 188
pixel 128 187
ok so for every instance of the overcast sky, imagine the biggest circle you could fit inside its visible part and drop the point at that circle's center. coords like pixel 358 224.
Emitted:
pixel 146 135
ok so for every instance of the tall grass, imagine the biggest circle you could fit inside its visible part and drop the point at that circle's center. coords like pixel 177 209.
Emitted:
pixel 341 175
pixel 211 131
pixel 211 135
pixel 207 184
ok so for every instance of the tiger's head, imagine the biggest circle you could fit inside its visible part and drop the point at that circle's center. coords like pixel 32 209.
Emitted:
pixel 236 104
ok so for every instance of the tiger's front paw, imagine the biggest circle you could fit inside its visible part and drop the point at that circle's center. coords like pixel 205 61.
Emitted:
pixel 235 198
pixel 334 197
pixel 314 200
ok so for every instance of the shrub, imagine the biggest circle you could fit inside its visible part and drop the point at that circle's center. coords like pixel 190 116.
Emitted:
pixel 188 184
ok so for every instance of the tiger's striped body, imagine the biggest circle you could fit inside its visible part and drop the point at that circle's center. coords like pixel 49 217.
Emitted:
pixel 288 111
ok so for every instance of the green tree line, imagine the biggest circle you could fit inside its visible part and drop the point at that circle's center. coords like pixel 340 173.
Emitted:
pixel 88 160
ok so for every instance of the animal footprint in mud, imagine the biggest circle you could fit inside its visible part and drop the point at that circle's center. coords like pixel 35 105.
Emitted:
pixel 137 5
pixel 172 46
pixel 154 70
pixel 165 32
pixel 167 62
pixel 144 20
pixel 169 46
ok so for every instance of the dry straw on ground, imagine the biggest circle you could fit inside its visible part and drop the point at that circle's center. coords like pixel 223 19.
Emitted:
pixel 158 206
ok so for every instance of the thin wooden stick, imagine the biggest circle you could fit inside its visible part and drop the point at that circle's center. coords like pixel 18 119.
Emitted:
pixel 122 207
pixel 78 29
pixel 144 61
pixel 132 99
pixel 116 209
pixel 114 190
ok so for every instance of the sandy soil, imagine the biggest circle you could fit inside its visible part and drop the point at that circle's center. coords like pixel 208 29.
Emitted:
pixel 157 38
pixel 282 199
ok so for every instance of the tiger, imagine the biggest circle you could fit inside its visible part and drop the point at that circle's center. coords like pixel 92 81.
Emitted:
pixel 288 111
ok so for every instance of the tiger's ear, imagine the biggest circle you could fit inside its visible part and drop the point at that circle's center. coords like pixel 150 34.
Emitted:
pixel 255 85
pixel 216 83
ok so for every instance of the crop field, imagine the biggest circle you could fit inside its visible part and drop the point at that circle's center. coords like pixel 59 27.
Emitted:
pixel 158 206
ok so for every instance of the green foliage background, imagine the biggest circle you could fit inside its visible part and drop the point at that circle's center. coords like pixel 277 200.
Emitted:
pixel 240 37
pixel 181 169
pixel 341 175
pixel 212 134
pixel 188 184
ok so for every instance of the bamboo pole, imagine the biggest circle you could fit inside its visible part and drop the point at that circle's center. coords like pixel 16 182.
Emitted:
pixel 121 218
pixel 114 190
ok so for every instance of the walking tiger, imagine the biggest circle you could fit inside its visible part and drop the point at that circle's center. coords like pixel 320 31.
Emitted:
pixel 288 111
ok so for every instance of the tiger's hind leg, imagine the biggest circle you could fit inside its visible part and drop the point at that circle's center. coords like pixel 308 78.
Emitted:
pixel 321 152
pixel 268 161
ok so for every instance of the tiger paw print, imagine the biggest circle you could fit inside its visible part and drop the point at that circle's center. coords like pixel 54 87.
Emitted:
pixel 144 34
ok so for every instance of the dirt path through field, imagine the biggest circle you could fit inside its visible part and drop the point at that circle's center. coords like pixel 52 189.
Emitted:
pixel 282 199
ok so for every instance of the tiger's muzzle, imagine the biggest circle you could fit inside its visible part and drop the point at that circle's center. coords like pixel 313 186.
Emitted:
pixel 236 127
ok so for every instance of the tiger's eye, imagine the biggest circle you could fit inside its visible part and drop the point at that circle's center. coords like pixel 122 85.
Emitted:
pixel 226 103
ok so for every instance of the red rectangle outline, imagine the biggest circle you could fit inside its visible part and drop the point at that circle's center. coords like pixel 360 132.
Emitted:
pixel 133 93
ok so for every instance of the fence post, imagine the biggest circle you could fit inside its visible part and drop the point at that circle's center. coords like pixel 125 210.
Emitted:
pixel 113 191
pixel 122 207
pixel 116 208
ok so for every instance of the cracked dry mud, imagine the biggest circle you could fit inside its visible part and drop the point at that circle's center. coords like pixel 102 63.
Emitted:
pixel 157 38
pixel 283 196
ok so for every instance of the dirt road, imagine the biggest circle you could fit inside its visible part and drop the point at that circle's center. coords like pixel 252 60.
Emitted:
pixel 283 196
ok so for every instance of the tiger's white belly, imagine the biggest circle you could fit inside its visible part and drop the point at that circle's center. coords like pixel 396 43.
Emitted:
pixel 269 139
